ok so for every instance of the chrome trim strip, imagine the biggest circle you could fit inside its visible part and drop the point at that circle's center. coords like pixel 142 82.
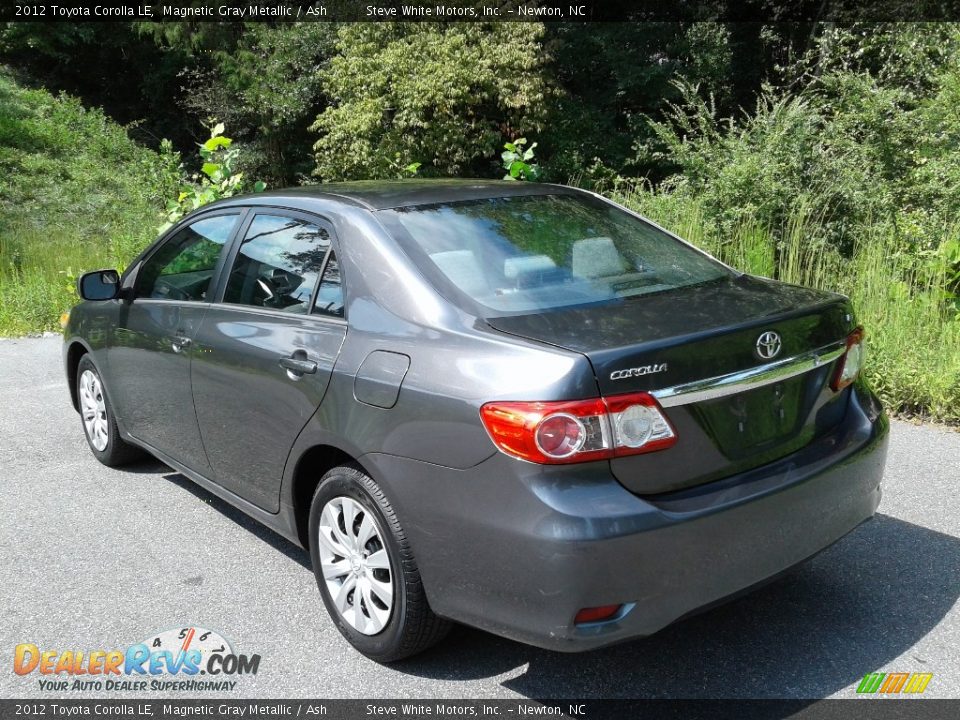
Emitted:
pixel 723 385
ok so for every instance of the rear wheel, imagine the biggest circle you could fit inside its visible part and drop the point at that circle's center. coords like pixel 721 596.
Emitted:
pixel 366 572
pixel 99 424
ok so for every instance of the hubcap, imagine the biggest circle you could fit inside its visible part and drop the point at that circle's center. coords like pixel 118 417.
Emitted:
pixel 93 409
pixel 355 565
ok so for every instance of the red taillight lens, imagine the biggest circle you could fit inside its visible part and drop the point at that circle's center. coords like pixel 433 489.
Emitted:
pixel 850 363
pixel 560 435
pixel 548 432
pixel 579 430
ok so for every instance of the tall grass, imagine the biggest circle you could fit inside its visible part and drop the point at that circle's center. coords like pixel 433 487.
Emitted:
pixel 38 268
pixel 913 333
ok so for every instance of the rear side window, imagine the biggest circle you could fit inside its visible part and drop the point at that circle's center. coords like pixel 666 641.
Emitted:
pixel 182 268
pixel 536 253
pixel 330 295
pixel 278 264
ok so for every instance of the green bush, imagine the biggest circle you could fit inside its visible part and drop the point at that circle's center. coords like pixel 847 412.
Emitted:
pixel 441 94
pixel 857 139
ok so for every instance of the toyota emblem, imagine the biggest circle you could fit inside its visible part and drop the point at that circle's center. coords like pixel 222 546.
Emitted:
pixel 768 345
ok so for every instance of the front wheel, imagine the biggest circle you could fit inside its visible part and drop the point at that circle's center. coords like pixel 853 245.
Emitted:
pixel 366 572
pixel 99 423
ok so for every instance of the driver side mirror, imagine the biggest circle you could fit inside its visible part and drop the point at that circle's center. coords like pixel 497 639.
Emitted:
pixel 99 285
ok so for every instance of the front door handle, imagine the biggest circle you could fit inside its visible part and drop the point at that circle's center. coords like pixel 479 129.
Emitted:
pixel 298 365
pixel 180 343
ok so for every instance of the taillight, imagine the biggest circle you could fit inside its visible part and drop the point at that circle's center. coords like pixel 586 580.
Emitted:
pixel 850 362
pixel 639 424
pixel 578 430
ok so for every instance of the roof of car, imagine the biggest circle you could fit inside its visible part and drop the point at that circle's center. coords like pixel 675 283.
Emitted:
pixel 383 194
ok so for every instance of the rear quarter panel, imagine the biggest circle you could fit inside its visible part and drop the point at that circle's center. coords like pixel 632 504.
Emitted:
pixel 456 365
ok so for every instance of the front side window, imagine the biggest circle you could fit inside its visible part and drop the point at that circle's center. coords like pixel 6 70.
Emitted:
pixel 182 268
pixel 525 254
pixel 278 264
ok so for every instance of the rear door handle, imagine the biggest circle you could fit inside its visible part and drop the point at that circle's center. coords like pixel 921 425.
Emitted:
pixel 180 343
pixel 298 366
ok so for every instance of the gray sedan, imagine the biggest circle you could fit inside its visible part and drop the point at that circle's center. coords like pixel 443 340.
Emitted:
pixel 516 406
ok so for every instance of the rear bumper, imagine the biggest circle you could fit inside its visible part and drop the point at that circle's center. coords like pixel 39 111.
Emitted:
pixel 517 549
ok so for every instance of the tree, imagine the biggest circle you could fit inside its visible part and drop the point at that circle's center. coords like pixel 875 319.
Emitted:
pixel 612 75
pixel 445 95
pixel 262 80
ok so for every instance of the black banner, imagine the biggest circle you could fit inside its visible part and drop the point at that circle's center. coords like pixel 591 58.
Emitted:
pixel 766 11
pixel 852 709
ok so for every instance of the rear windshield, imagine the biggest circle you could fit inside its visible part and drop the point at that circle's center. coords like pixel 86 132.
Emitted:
pixel 537 253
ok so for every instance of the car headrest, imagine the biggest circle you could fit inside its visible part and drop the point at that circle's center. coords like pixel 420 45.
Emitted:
pixel 516 266
pixel 463 270
pixel 596 257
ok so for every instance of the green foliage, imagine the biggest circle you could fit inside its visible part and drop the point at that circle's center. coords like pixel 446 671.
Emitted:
pixel 757 168
pixel 860 141
pixel 442 94
pixel 519 162
pixel 76 194
pixel 107 65
pixel 60 160
pixel 400 170
pixel 216 180
pixel 609 76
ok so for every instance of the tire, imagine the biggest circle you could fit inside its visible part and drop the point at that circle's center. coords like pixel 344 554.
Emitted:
pixel 98 421
pixel 384 627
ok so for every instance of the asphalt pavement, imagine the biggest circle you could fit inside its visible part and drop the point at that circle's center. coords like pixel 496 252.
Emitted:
pixel 93 558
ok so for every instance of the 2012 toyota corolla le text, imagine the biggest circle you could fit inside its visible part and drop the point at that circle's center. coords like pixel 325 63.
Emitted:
pixel 511 405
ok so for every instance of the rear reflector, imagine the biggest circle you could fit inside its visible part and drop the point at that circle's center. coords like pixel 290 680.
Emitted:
pixel 596 614
pixel 578 430
pixel 851 362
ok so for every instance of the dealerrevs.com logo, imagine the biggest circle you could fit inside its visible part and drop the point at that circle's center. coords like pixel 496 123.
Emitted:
pixel 183 659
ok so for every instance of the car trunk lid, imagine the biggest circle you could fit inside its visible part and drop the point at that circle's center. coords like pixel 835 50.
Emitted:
pixel 669 343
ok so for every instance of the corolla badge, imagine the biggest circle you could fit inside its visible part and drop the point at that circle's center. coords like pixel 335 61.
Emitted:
pixel 638 371
pixel 768 345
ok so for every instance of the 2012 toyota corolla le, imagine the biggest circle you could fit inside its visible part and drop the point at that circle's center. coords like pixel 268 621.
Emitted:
pixel 515 406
